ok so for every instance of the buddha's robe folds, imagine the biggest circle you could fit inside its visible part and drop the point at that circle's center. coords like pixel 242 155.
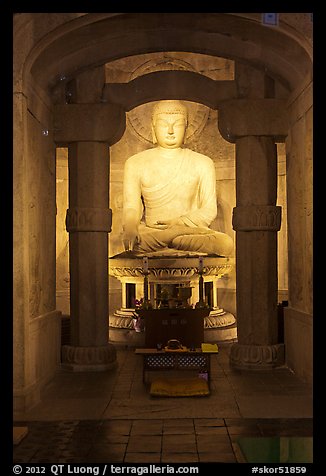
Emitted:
pixel 162 185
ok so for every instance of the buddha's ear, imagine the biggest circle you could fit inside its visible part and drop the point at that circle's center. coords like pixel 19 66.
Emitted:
pixel 154 135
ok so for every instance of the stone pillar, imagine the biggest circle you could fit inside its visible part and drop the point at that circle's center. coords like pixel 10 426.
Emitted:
pixel 254 125
pixel 215 292
pixel 88 223
pixel 152 294
pixel 124 294
pixel 140 290
pixel 256 220
pixel 88 129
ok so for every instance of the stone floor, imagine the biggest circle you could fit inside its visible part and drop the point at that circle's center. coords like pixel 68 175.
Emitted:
pixel 111 417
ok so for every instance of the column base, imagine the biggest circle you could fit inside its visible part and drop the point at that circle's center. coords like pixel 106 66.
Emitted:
pixel 256 357
pixel 88 359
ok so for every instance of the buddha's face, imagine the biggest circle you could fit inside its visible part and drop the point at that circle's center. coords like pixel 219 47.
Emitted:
pixel 169 130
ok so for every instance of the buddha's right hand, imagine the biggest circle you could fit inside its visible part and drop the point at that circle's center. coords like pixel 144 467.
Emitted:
pixel 130 238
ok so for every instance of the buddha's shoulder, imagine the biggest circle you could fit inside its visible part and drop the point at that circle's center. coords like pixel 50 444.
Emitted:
pixel 198 158
pixel 141 156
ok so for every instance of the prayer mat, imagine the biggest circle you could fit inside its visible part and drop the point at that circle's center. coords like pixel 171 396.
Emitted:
pixel 184 387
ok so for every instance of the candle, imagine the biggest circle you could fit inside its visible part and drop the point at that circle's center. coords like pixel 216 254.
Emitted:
pixel 200 265
pixel 145 264
pixel 201 289
pixel 146 287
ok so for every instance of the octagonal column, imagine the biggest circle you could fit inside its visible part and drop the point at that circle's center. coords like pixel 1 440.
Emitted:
pixel 88 129
pixel 256 220
pixel 88 222
pixel 254 126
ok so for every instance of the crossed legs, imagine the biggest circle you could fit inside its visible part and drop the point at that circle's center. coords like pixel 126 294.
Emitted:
pixel 185 238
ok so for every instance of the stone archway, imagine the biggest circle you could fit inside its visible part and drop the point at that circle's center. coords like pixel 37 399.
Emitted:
pixel 95 39
pixel 53 54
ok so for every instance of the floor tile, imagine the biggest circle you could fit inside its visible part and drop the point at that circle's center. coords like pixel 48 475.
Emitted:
pixel 176 444
pixel 212 457
pixel 179 457
pixel 142 458
pixel 209 422
pixel 178 429
pixel 147 427
pixel 115 427
pixel 110 439
pixel 213 446
pixel 107 453
pixel 144 444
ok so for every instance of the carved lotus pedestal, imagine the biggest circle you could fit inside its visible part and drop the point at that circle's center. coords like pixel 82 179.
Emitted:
pixel 85 359
pixel 169 272
pixel 256 357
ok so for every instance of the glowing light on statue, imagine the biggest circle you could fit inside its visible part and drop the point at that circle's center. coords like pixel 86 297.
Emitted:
pixel 169 197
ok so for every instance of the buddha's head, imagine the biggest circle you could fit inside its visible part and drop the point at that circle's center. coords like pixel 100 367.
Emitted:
pixel 169 123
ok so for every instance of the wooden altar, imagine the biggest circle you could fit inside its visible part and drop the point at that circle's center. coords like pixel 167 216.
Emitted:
pixel 185 325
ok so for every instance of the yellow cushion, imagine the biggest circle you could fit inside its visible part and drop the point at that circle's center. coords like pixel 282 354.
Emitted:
pixel 186 387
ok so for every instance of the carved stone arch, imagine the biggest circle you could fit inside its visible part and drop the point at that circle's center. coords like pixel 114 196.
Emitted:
pixel 54 51
pixel 95 39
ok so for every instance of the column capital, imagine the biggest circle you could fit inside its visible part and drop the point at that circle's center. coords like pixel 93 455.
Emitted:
pixel 88 219
pixel 88 123
pixel 253 117
pixel 257 218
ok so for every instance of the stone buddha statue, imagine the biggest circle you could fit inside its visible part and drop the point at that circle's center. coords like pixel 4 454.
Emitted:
pixel 169 193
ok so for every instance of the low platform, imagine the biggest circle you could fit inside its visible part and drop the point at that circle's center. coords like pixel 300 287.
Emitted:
pixel 128 337
pixel 169 269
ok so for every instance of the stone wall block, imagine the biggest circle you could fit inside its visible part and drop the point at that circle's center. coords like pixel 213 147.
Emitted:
pixel 184 85
pixel 253 117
